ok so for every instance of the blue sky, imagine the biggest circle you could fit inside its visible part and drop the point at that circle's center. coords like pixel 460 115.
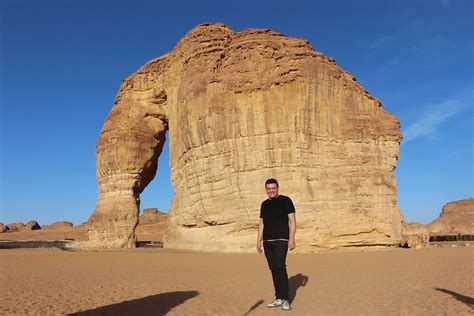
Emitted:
pixel 62 63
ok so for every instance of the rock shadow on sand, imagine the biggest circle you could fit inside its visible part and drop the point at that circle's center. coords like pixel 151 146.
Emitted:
pixel 159 304
pixel 469 301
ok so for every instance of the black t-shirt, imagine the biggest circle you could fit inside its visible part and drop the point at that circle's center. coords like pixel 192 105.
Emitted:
pixel 274 213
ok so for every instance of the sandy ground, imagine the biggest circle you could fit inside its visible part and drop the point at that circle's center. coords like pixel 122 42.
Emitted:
pixel 78 233
pixel 433 281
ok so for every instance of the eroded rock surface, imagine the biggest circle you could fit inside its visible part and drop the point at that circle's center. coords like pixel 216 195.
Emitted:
pixel 15 227
pixel 3 228
pixel 415 235
pixel 457 217
pixel 152 225
pixel 242 107
pixel 32 225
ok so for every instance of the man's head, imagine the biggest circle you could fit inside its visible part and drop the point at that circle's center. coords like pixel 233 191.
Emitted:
pixel 271 186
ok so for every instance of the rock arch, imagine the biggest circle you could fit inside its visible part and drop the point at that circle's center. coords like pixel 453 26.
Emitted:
pixel 242 107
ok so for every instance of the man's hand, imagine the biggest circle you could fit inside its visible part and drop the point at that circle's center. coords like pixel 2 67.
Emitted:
pixel 291 244
pixel 292 226
pixel 260 236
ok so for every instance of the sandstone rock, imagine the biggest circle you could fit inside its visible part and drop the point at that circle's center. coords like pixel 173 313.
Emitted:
pixel 3 228
pixel 439 228
pixel 414 241
pixel 241 107
pixel 15 227
pixel 150 212
pixel 32 225
pixel 457 217
pixel 59 225
pixel 151 216
pixel 151 225
pixel 415 235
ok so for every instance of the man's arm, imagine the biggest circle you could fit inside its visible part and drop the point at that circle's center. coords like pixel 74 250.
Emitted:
pixel 260 236
pixel 292 225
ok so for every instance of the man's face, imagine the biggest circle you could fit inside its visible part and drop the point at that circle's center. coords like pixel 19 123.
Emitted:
pixel 272 190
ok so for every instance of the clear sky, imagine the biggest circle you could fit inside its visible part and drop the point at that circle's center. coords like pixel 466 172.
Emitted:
pixel 62 63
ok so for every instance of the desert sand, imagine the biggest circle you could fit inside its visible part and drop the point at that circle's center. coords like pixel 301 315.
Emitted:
pixel 429 281
pixel 77 233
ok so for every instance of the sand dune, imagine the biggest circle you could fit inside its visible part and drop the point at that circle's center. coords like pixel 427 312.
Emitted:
pixel 433 281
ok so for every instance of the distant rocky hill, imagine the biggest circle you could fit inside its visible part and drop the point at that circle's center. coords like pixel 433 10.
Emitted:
pixel 151 227
pixel 456 217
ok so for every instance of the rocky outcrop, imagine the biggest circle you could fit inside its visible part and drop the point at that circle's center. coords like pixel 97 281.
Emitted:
pixel 241 107
pixel 151 225
pixel 3 228
pixel 32 225
pixel 415 235
pixel 151 216
pixel 15 227
pixel 456 217
pixel 59 225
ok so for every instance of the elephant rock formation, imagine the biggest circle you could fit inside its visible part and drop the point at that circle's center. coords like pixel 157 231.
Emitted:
pixel 241 107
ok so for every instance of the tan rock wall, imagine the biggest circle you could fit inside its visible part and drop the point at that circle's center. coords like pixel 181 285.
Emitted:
pixel 152 225
pixel 457 217
pixel 415 235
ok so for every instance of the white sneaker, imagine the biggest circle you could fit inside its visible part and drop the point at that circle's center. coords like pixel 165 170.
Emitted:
pixel 275 303
pixel 285 305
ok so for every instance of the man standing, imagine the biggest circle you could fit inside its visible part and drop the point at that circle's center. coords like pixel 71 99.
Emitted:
pixel 277 231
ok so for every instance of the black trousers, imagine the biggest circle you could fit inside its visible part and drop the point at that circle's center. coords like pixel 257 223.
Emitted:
pixel 275 252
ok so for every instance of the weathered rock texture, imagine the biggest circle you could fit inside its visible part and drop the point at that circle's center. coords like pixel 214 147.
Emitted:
pixel 415 235
pixel 15 227
pixel 32 225
pixel 151 225
pixel 240 108
pixel 457 217
pixel 3 228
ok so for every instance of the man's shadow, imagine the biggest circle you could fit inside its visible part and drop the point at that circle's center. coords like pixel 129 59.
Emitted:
pixel 469 301
pixel 159 304
pixel 294 283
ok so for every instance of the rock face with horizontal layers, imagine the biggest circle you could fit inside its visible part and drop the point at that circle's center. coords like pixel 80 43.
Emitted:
pixel 415 235
pixel 457 217
pixel 241 107
pixel 152 225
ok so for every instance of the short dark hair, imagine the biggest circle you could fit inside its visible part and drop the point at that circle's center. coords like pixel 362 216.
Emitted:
pixel 272 181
